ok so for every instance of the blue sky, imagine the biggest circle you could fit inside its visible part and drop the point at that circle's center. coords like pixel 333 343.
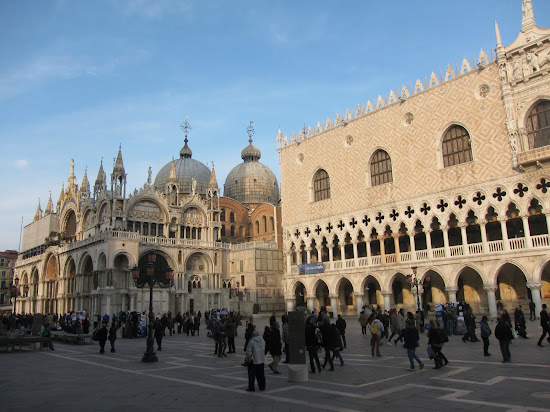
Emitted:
pixel 78 78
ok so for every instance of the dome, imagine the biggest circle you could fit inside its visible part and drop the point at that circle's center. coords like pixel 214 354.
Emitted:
pixel 251 181
pixel 185 169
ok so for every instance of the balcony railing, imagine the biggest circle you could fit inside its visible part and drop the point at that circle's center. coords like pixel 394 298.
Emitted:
pixel 492 247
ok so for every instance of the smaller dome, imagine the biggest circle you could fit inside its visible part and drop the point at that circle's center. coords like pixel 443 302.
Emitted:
pixel 251 153
pixel 185 152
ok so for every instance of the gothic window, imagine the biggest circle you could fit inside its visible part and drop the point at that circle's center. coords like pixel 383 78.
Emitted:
pixel 321 185
pixel 380 168
pixel 231 217
pixel 232 231
pixel 222 215
pixel 257 224
pixel 538 125
pixel 456 146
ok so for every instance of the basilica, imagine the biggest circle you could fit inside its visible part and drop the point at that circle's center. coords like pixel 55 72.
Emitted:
pixel 209 251
pixel 436 193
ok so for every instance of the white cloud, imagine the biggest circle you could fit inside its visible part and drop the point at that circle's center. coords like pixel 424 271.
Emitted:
pixel 21 163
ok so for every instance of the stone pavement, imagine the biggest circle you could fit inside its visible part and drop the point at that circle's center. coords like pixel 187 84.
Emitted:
pixel 189 377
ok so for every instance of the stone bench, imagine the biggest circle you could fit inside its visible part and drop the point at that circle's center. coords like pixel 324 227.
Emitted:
pixel 17 342
pixel 72 338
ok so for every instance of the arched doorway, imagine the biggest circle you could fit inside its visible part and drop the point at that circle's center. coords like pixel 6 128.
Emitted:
pixel 433 290
pixel 300 294
pixel 373 292
pixel 322 298
pixel 512 287
pixel 470 290
pixel 346 300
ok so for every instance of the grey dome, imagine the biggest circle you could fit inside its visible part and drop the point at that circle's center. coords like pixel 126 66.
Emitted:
pixel 185 170
pixel 251 181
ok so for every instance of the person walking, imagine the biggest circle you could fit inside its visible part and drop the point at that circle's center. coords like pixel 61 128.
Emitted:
pixel 363 320
pixel 503 332
pixel 376 330
pixel 249 332
pixel 47 333
pixel 532 315
pixel 435 341
pixel 275 347
pixel 112 335
pixel 545 325
pixel 341 325
pixel 255 359
pixel 102 337
pixel 159 333
pixel 339 345
pixel 230 330
pixel 410 338
pixel 485 332
pixel 329 342
pixel 312 345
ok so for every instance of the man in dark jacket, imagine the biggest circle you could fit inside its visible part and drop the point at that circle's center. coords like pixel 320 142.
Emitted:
pixel 102 337
pixel 503 332
pixel 275 347
pixel 329 341
pixel 410 338
pixel 341 325
pixel 545 324
pixel 312 346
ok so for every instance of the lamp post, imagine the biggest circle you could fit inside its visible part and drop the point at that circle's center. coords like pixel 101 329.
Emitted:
pixel 13 291
pixel 413 280
pixel 154 275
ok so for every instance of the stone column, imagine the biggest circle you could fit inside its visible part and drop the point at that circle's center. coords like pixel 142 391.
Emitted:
pixel 342 253
pixel 319 253
pixel 288 262
pixel 445 230
pixel 308 253
pixel 311 303
pixel 429 243
pixel 133 296
pixel 387 301
pixel 526 231
pixel 330 256
pixel 535 295
pixel 369 253
pixel 464 239
pixel 491 300
pixel 547 216
pixel 382 250
pixel 355 254
pixel 290 304
pixel 396 246
pixel 299 256
pixel 451 291
pixel 334 305
pixel 413 246
pixel 358 302
pixel 482 226
pixel 504 230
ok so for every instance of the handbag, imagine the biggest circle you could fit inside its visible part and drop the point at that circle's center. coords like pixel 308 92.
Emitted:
pixel 95 336
pixel 514 333
pixel 431 353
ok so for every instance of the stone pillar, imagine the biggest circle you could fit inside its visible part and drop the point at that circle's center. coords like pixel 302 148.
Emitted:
pixel 342 253
pixel 482 226
pixel 308 252
pixel 334 305
pixel 290 304
pixel 387 301
pixel 547 216
pixel 355 254
pixel 319 254
pixel 464 239
pixel 330 256
pixel 396 246
pixel 504 230
pixel 413 246
pixel 491 300
pixel 358 302
pixel 445 230
pixel 526 231
pixel 311 303
pixel 535 295
pixel 382 250
pixel 451 291
pixel 132 300
pixel 369 253
pixel 429 243
pixel 288 261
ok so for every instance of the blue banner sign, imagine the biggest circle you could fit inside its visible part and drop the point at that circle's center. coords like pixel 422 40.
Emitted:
pixel 308 268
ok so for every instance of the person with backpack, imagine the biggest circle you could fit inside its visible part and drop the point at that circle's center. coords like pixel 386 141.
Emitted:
pixel 376 330
pixel 312 345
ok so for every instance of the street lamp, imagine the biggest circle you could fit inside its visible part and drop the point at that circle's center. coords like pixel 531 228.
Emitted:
pixel 413 280
pixel 13 291
pixel 154 274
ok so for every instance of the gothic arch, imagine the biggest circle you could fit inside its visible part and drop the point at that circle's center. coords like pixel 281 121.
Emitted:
pixel 440 135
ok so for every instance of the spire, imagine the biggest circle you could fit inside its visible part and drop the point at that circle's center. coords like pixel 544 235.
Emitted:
pixel 119 165
pixel 172 175
pixel 85 183
pixel 185 152
pixel 100 182
pixel 497 32
pixel 38 214
pixel 213 182
pixel 49 206
pixel 61 198
pixel 528 20
pixel 251 152
pixel 70 179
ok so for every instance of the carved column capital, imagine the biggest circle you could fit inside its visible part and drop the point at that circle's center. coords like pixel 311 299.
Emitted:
pixel 490 288
pixel 451 289
pixel 535 285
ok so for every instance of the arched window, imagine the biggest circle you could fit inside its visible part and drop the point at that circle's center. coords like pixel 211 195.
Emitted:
pixel 257 224
pixel 222 215
pixel 380 168
pixel 456 147
pixel 231 217
pixel 272 224
pixel 321 186
pixel 265 223
pixel 232 231
pixel 538 125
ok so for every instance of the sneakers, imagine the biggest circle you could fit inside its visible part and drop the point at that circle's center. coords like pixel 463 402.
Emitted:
pixel 421 366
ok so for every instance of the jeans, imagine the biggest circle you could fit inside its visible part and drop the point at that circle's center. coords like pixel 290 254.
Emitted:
pixel 485 345
pixel 450 327
pixel 505 349
pixel 335 353
pixel 313 356
pixel 412 355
